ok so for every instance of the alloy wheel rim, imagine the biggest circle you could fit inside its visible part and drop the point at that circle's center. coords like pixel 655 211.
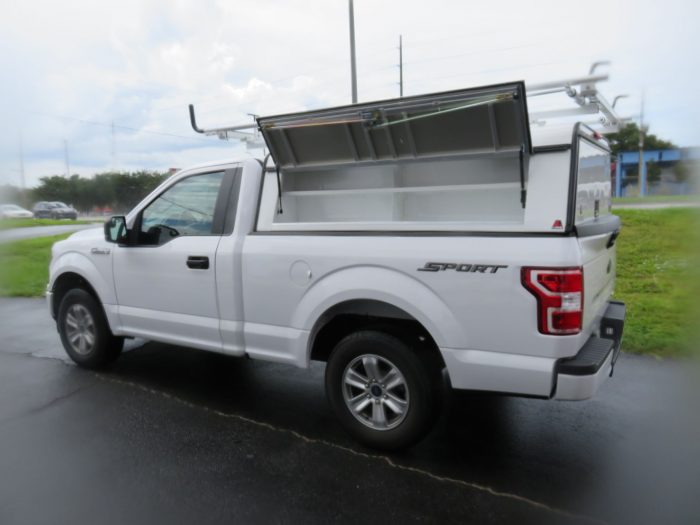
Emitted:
pixel 375 392
pixel 80 329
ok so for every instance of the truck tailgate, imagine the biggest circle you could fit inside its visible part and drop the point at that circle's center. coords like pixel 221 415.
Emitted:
pixel 598 275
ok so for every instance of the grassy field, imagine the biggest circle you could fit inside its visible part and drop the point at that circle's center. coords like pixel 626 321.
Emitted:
pixel 655 277
pixel 7 224
pixel 24 266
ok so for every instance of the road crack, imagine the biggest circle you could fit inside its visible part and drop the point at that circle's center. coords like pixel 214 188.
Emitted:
pixel 52 402
pixel 374 457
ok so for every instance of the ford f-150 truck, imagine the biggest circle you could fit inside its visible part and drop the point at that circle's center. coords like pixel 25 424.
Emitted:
pixel 407 243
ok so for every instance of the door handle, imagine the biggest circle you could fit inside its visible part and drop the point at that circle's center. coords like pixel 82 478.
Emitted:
pixel 198 262
pixel 612 239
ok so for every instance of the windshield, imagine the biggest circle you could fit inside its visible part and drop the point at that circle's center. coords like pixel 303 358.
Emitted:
pixel 58 205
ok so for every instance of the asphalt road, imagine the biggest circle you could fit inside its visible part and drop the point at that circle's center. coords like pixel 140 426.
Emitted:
pixel 654 205
pixel 32 232
pixel 171 435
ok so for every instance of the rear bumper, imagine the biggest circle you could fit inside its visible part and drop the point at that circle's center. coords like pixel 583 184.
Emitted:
pixel 579 377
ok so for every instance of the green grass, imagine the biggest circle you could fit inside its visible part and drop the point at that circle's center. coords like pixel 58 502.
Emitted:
pixel 7 224
pixel 656 199
pixel 658 280
pixel 24 266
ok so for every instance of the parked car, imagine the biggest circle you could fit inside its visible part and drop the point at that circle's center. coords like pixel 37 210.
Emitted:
pixel 54 210
pixel 405 243
pixel 12 211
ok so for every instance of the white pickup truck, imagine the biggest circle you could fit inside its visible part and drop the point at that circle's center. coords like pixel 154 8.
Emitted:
pixel 404 242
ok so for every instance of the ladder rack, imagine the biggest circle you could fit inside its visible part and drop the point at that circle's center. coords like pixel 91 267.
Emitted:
pixel 582 90
pixel 585 94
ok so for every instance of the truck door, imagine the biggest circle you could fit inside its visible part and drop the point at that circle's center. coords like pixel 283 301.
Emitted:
pixel 166 280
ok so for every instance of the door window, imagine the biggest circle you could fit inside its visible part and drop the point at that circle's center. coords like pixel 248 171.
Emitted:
pixel 187 208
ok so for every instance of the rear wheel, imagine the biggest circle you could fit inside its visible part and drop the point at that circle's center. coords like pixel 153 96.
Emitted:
pixel 383 392
pixel 84 331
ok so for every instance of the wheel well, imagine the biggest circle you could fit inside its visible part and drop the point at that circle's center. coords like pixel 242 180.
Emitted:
pixel 352 316
pixel 66 282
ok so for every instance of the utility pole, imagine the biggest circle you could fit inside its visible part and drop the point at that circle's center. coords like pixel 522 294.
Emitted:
pixel 401 65
pixel 113 150
pixel 353 69
pixel 65 152
pixel 642 168
pixel 21 162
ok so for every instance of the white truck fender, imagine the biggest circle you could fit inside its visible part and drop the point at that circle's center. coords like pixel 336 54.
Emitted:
pixel 385 285
pixel 75 262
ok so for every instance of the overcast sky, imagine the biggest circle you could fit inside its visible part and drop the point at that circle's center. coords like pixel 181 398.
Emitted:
pixel 71 68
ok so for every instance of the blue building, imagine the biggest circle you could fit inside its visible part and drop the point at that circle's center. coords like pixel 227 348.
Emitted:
pixel 628 161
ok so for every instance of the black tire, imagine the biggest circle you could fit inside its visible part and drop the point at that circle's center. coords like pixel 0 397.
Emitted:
pixel 421 380
pixel 105 347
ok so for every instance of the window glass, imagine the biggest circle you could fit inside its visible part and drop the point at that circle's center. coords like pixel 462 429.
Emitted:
pixel 594 189
pixel 187 208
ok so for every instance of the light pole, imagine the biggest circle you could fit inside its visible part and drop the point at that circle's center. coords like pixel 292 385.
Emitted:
pixel 353 69
pixel 401 65
pixel 642 165
pixel 65 152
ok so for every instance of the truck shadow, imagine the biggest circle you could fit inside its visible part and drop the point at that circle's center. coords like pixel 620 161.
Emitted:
pixel 524 446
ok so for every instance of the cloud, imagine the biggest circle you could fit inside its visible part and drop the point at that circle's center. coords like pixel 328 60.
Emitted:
pixel 138 63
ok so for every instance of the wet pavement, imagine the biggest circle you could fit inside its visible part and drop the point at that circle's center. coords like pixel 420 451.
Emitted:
pixel 172 435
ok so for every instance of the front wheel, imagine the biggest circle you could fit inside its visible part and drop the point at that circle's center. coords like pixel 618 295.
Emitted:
pixel 383 392
pixel 84 331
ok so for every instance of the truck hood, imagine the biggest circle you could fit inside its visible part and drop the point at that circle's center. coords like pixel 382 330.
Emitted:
pixel 87 234
pixel 80 241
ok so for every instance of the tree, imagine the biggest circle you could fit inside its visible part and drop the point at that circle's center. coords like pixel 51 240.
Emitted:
pixel 119 190
pixel 653 172
pixel 681 170
pixel 627 139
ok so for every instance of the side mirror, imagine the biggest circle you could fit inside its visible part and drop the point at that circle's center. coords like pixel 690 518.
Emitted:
pixel 115 230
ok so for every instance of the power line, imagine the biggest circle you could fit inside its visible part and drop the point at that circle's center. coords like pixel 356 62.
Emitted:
pixel 479 52
pixel 512 68
pixel 118 126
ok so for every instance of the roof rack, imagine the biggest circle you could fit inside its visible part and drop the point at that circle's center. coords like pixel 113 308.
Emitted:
pixel 237 132
pixel 584 92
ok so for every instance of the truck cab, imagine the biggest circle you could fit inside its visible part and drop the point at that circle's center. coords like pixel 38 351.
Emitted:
pixel 403 242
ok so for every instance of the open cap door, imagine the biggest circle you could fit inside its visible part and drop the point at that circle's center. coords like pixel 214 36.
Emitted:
pixel 477 121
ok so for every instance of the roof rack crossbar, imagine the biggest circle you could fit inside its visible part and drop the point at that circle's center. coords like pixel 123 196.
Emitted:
pixel 584 92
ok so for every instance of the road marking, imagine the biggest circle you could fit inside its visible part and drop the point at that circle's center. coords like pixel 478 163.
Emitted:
pixel 330 444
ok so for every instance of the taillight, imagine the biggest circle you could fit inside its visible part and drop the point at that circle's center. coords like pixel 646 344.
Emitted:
pixel 559 293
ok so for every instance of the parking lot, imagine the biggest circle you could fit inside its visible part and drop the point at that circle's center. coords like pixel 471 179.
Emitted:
pixel 175 435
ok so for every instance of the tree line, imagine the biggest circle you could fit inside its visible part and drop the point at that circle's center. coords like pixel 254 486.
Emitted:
pixel 119 191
